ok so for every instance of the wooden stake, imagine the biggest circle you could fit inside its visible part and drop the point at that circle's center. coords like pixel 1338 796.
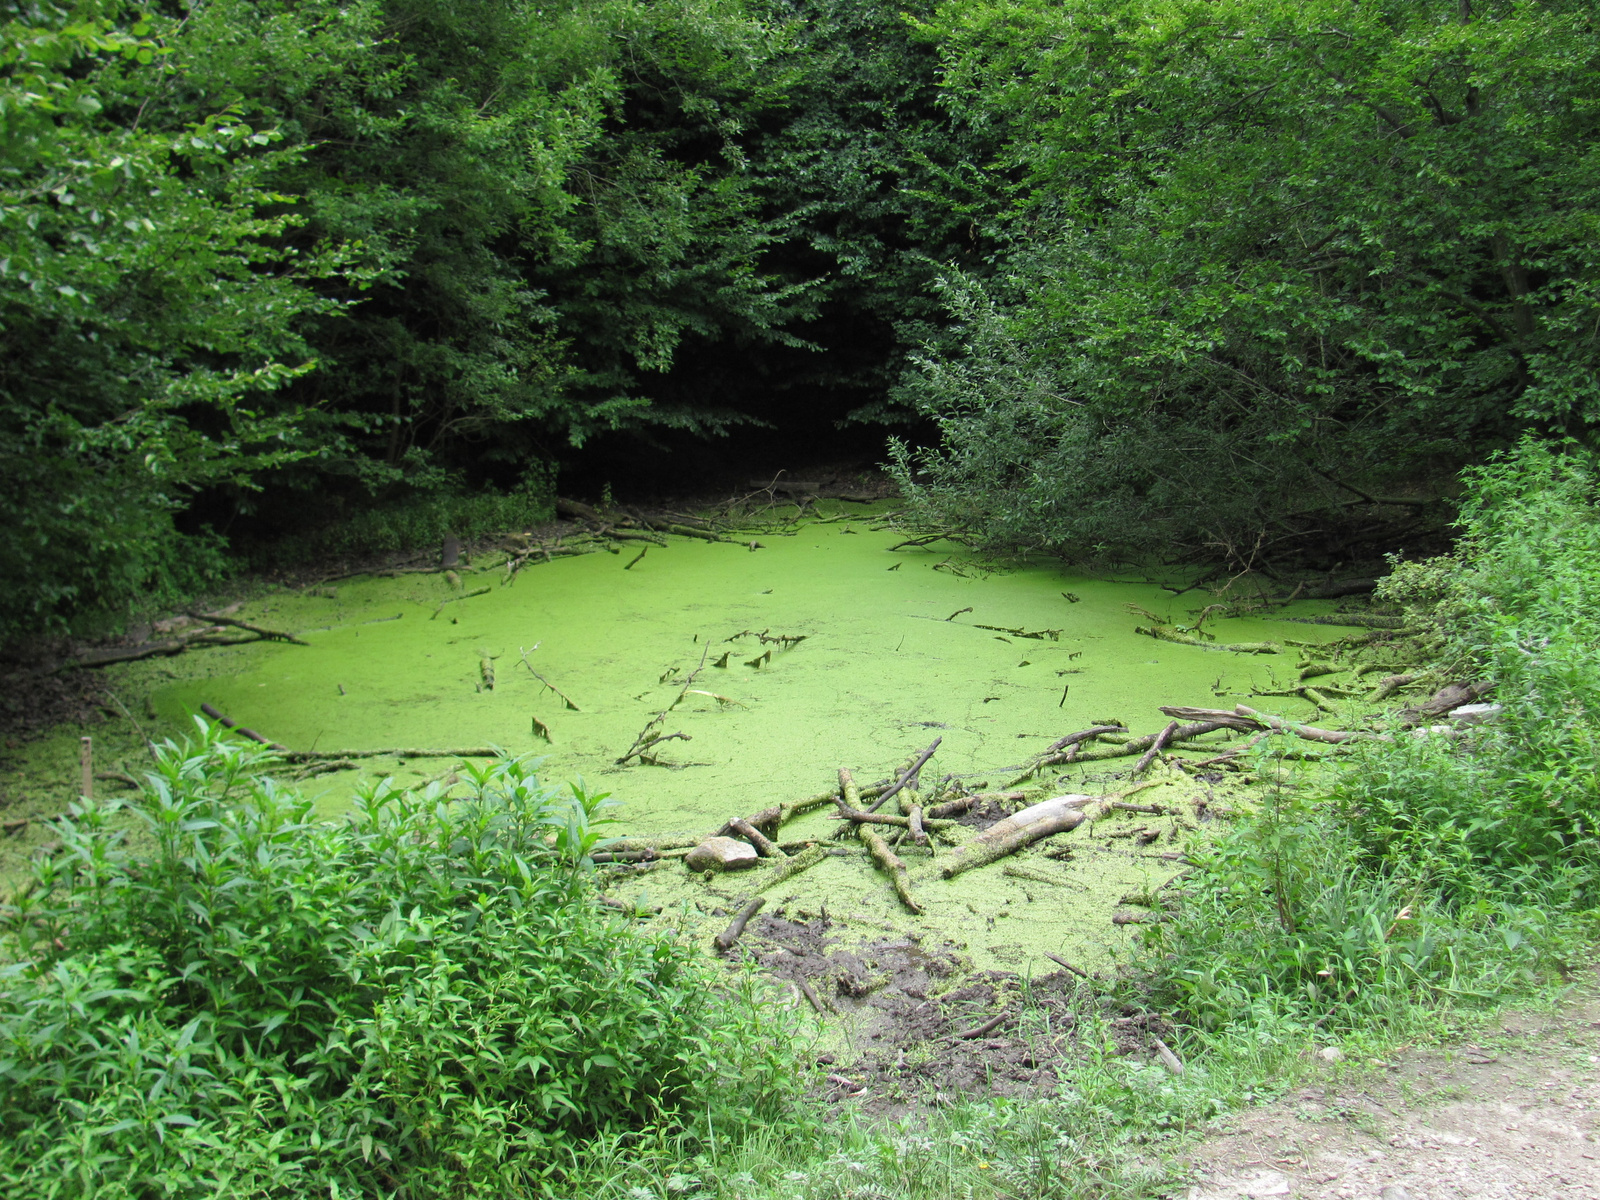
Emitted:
pixel 86 762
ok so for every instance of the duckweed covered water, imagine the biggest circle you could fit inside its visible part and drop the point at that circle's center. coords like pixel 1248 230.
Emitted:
pixel 899 646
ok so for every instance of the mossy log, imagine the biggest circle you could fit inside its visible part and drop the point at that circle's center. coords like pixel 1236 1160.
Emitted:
pixel 1166 633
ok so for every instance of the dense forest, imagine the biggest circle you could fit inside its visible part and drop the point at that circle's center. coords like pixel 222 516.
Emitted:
pixel 1139 278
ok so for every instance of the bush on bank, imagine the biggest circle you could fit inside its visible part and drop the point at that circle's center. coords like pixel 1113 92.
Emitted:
pixel 209 991
pixel 1432 870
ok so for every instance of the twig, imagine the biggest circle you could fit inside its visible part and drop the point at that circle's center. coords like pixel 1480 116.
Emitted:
pixel 979 1030
pixel 1156 747
pixel 1061 962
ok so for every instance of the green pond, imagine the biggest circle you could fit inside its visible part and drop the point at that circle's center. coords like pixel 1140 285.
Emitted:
pixel 899 646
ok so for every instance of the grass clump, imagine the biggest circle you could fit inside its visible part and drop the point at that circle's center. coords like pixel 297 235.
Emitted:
pixel 209 991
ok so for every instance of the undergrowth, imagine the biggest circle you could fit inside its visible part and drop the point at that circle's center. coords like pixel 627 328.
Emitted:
pixel 211 992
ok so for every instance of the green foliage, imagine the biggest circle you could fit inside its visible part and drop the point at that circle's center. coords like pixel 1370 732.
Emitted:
pixel 1433 870
pixel 147 307
pixel 1521 803
pixel 1247 253
pixel 213 991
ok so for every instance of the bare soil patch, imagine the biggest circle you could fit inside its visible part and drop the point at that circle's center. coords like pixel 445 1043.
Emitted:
pixel 1513 1116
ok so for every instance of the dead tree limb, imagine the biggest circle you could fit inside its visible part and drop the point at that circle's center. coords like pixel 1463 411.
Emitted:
pixel 228 723
pixel 763 844
pixel 891 864
pixel 978 1031
pixel 1061 962
pixel 730 935
pixel 954 808
pixel 907 776
pixel 271 635
pixel 1021 829
pixel 1156 747
pixel 792 866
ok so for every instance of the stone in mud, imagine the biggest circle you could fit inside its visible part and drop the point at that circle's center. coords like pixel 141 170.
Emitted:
pixel 722 854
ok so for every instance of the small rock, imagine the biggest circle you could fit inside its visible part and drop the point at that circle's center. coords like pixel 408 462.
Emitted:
pixel 722 854
pixel 1331 1054
pixel 1394 1192
pixel 1475 714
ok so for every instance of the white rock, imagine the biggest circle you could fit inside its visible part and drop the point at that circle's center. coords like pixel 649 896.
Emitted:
pixel 1475 714
pixel 722 854
pixel 1331 1054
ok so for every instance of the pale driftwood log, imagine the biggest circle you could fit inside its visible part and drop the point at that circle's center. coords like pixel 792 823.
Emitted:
pixel 730 935
pixel 1021 829
pixel 1222 716
pixel 891 864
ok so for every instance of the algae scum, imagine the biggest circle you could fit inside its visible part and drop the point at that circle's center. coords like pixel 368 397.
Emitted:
pixel 811 647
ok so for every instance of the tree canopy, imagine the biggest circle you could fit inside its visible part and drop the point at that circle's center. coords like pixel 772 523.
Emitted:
pixel 1161 275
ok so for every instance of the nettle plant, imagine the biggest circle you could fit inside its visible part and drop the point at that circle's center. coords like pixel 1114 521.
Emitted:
pixel 209 988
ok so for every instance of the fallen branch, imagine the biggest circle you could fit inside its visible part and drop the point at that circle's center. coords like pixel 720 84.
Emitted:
pixel 1061 962
pixel 228 723
pixel 1169 1060
pixel 1310 732
pixel 271 635
pixel 763 844
pixel 953 808
pixel 907 776
pixel 1021 872
pixel 1166 633
pixel 483 591
pixel 979 1030
pixel 730 935
pixel 306 756
pixel 890 862
pixel 1156 747
pixel 560 695
pixel 1388 686
pixel 810 994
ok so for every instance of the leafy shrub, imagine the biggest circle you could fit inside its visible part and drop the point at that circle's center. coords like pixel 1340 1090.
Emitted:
pixel 224 995
pixel 1437 867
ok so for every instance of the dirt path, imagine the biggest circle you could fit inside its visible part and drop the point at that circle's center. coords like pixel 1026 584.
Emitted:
pixel 1514 1115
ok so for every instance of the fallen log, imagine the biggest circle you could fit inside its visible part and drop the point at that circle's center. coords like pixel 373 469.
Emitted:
pixel 1065 750
pixel 1021 829
pixel 1450 696
pixel 1021 872
pixel 730 935
pixel 891 864
pixel 1169 1060
pixel 1222 716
